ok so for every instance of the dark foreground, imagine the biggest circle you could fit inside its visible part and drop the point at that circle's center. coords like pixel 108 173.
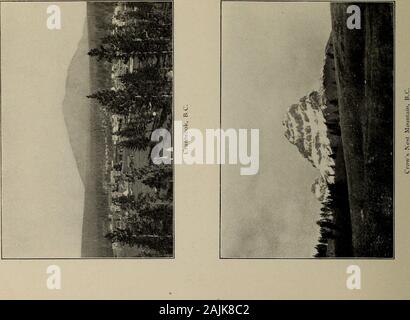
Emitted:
pixel 364 66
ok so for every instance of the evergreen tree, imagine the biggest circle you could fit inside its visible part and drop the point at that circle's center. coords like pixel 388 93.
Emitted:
pixel 321 251
pixel 137 143
pixel 155 176
pixel 145 100
pixel 124 202
pixel 162 244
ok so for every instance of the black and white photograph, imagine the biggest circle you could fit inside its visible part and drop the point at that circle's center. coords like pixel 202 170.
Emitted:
pixel 84 87
pixel 317 80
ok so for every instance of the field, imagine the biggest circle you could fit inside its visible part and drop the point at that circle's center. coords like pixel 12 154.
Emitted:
pixel 364 61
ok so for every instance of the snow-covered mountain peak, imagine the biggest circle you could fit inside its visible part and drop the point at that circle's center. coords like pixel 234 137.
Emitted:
pixel 305 127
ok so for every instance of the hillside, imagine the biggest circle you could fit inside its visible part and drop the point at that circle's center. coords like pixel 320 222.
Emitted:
pixel 364 68
pixel 76 106
pixel 87 135
pixel 305 127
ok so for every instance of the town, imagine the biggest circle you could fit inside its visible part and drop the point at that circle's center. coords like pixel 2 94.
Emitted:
pixel 138 47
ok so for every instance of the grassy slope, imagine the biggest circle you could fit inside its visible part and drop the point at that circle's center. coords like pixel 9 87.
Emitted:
pixel 364 64
pixel 379 131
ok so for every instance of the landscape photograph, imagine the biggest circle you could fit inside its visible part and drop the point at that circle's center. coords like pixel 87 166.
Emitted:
pixel 101 89
pixel 317 80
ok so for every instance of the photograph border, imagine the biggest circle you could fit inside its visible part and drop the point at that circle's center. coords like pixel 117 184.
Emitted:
pixel 393 2
pixel 173 256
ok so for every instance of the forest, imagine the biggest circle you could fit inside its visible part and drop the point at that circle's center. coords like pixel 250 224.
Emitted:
pixel 138 45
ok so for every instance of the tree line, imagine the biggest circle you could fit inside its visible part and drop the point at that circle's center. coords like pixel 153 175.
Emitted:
pixel 334 222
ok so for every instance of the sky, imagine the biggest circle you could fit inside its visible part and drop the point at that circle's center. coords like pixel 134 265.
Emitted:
pixel 272 55
pixel 43 196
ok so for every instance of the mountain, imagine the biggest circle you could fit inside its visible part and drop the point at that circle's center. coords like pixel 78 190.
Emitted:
pixel 76 107
pixel 305 127
pixel 312 125
pixel 84 123
pixel 320 188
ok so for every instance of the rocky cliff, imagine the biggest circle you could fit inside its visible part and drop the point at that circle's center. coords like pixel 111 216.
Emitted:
pixel 312 125
pixel 305 127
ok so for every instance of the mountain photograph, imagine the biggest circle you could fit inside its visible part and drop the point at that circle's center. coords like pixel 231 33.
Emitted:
pixel 341 125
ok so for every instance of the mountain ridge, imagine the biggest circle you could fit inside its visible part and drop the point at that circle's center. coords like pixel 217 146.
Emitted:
pixel 312 126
